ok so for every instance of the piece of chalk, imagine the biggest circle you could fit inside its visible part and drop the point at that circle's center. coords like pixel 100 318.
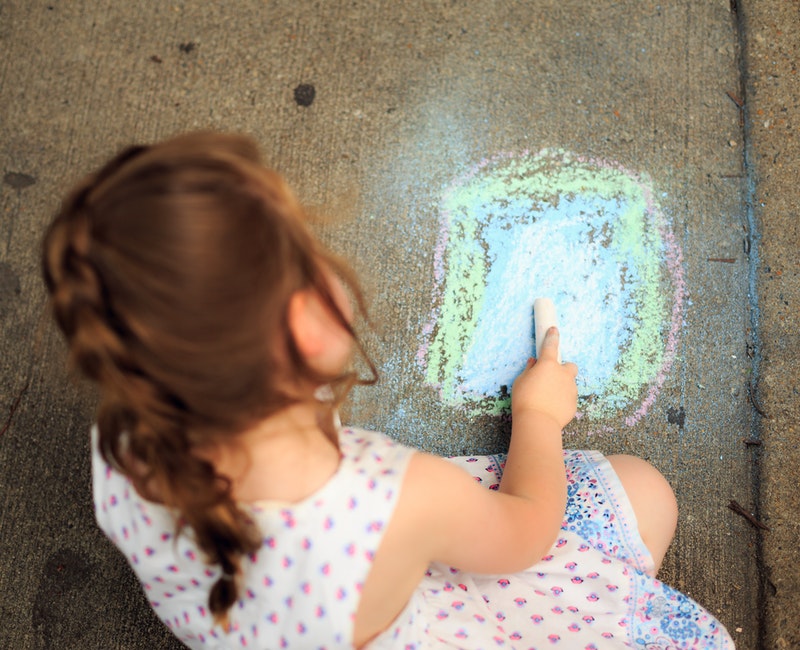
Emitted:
pixel 544 317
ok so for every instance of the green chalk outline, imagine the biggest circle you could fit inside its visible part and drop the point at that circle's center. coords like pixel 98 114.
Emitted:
pixel 545 178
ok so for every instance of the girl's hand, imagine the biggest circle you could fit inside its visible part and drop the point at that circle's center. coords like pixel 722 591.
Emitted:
pixel 547 386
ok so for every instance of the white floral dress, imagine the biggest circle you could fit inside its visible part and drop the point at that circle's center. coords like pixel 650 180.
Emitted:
pixel 592 591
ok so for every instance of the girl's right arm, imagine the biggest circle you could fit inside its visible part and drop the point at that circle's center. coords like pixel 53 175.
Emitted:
pixel 444 516
pixel 483 531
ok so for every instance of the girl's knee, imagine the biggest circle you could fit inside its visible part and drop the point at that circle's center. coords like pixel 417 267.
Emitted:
pixel 653 502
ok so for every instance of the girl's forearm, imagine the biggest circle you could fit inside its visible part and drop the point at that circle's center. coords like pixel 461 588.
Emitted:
pixel 535 469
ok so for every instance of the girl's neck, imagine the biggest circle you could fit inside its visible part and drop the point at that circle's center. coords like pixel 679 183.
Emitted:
pixel 285 457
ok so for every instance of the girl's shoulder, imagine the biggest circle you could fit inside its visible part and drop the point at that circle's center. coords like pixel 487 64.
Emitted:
pixel 368 452
pixel 357 441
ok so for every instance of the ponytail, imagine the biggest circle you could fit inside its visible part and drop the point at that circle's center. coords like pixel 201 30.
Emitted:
pixel 170 272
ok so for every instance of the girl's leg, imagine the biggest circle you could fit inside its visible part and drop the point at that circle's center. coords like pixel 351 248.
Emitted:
pixel 653 503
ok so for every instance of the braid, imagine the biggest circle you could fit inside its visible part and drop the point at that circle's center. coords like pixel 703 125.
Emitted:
pixel 141 424
pixel 170 272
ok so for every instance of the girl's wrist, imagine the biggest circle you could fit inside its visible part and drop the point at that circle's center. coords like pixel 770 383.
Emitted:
pixel 534 419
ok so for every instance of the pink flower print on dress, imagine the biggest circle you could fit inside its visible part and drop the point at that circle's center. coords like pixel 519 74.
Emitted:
pixel 350 549
pixel 557 591
pixel 461 633
pixel 341 594
pixel 319 612
pixel 325 569
pixel 503 582
pixel 571 566
pixel 592 598
pixel 537 619
pixel 588 619
pixel 553 638
pixel 305 587
pixel 272 618
pixel 191 555
pixel 457 605
pixel 288 518
pixel 520 602
pixel 165 537
pixel 557 610
pixel 287 562
pixel 328 523
pixel 515 636
pixel 269 542
pixel 352 503
pixel 561 542
pixel 149 551
pixel 442 614
pixel 576 580
pixel 375 527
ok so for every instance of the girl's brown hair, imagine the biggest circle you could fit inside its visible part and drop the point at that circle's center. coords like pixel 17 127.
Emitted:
pixel 170 272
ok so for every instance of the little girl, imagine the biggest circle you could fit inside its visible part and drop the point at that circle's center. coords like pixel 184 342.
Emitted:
pixel 220 332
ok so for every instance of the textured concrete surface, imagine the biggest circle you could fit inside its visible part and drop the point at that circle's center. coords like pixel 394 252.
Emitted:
pixel 698 101
pixel 771 55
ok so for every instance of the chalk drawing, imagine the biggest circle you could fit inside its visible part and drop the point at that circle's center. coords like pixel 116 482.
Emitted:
pixel 587 233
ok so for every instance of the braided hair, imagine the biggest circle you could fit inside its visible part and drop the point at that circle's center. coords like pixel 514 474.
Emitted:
pixel 170 272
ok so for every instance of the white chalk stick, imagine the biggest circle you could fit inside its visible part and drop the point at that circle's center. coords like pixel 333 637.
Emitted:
pixel 544 317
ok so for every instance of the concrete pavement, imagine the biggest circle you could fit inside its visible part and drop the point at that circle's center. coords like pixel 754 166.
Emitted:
pixel 398 124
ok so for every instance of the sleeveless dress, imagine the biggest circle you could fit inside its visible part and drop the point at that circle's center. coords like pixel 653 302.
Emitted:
pixel 593 590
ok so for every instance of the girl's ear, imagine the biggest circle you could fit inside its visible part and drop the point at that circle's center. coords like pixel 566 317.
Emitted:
pixel 306 323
